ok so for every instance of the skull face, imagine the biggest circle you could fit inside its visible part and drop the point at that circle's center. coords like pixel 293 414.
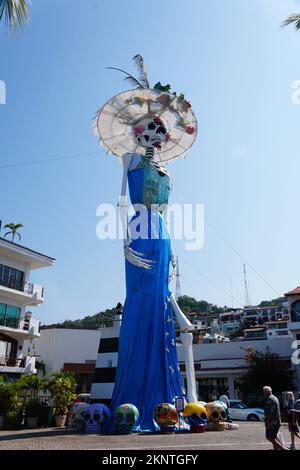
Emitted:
pixel 150 132
pixel 80 416
pixel 196 416
pixel 74 413
pixel 216 412
pixel 166 414
pixel 216 416
pixel 96 417
pixel 125 417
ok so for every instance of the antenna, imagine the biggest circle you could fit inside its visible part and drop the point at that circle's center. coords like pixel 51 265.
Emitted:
pixel 247 301
pixel 178 289
pixel 231 291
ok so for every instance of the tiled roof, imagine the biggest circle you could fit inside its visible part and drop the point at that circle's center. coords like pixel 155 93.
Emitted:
pixel 294 292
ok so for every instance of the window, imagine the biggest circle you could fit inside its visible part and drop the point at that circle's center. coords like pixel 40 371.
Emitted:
pixel 296 311
pixel 9 316
pixel 11 277
pixel 238 405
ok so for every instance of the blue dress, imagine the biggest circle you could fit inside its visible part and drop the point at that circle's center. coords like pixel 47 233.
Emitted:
pixel 148 371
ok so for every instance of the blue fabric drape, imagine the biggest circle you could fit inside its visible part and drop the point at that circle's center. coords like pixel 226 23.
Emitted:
pixel 147 372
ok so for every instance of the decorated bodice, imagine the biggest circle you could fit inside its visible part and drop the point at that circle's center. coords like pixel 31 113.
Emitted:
pixel 148 185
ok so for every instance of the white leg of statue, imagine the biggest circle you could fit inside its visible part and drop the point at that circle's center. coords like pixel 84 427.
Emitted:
pixel 187 342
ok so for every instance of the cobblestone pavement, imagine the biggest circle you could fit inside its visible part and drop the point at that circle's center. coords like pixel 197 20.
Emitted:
pixel 250 436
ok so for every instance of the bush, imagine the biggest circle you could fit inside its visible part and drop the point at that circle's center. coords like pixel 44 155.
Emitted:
pixel 14 416
pixel 10 407
pixel 62 389
pixel 32 408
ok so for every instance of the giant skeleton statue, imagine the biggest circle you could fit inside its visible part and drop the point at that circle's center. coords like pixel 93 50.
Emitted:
pixel 148 128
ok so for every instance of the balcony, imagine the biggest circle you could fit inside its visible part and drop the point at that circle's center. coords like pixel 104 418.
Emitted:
pixel 20 328
pixel 26 292
pixel 15 365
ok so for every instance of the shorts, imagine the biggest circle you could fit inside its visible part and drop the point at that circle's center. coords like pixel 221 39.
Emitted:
pixel 271 433
pixel 293 427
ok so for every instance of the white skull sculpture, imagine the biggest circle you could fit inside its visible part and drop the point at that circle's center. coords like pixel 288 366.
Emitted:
pixel 216 416
pixel 96 417
pixel 150 132
pixel 72 425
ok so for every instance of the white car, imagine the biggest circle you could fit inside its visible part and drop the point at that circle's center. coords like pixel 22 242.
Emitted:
pixel 239 411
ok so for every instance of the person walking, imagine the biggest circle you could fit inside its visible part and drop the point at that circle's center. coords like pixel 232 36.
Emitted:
pixel 292 421
pixel 272 419
pixel 224 398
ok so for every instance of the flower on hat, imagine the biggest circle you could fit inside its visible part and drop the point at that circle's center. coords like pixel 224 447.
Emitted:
pixel 138 130
pixel 190 130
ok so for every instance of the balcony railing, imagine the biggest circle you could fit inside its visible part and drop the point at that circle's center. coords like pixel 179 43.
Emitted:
pixel 26 287
pixel 16 323
pixel 12 361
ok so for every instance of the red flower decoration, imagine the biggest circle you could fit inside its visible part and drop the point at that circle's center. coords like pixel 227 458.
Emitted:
pixel 158 121
pixel 157 145
pixel 138 130
pixel 190 130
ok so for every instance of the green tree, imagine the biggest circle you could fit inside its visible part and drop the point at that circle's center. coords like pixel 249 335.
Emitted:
pixel 293 19
pixel 13 229
pixel 265 369
pixel 31 385
pixel 14 12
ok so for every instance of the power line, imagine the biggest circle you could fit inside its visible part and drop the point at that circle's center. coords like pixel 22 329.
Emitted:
pixel 233 248
pixel 47 160
pixel 211 282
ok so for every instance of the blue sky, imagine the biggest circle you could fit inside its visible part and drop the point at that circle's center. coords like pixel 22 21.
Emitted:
pixel 236 66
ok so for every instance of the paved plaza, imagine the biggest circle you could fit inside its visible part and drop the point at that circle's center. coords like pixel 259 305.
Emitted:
pixel 250 436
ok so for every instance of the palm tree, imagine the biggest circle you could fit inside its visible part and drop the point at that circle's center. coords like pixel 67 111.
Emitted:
pixel 293 19
pixel 13 229
pixel 14 12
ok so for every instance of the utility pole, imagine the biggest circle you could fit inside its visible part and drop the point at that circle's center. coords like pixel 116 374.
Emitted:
pixel 247 300
pixel 178 288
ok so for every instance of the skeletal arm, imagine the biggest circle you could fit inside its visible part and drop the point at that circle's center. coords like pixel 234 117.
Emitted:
pixel 187 342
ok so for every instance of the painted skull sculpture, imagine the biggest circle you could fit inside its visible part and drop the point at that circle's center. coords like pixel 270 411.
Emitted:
pixel 217 419
pixel 166 417
pixel 96 418
pixel 150 132
pixel 196 416
pixel 125 418
pixel 76 410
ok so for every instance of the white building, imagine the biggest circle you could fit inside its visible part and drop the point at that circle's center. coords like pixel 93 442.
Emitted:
pixel 293 300
pixel 278 329
pixel 73 350
pixel 17 294
pixel 231 322
pixel 218 366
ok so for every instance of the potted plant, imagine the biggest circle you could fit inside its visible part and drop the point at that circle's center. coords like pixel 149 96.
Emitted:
pixel 62 389
pixel 10 407
pixel 32 411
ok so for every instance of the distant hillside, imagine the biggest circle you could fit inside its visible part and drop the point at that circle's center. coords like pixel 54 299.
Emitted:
pixel 269 303
pixel 101 319
pixel 186 303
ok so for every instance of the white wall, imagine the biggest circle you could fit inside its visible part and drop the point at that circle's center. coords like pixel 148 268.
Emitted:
pixel 57 346
pixel 235 351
